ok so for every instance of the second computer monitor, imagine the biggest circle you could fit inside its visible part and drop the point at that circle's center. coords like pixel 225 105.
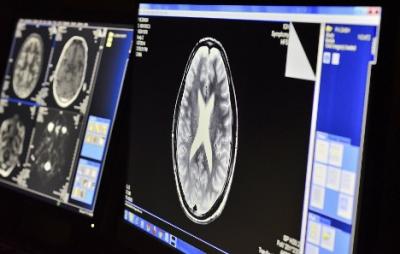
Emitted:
pixel 247 126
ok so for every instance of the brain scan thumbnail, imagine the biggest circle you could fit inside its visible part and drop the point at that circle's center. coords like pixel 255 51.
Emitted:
pixel 70 71
pixel 205 133
pixel 48 156
pixel 52 150
pixel 28 66
pixel 12 136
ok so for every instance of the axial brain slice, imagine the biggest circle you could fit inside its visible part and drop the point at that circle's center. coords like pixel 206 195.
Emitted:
pixel 70 71
pixel 48 156
pixel 28 66
pixel 205 133
pixel 12 136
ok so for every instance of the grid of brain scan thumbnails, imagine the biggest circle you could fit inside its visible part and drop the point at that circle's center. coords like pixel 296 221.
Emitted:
pixel 44 105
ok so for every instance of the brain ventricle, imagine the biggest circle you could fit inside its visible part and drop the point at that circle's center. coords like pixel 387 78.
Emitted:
pixel 205 133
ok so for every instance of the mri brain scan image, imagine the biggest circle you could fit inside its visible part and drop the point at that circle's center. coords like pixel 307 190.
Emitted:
pixel 205 132
pixel 52 149
pixel 12 136
pixel 48 157
pixel 70 71
pixel 28 66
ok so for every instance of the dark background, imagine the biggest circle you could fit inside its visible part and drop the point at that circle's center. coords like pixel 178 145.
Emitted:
pixel 32 226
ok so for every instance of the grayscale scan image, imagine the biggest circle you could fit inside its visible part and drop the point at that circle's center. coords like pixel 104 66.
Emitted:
pixel 70 71
pixel 28 66
pixel 12 136
pixel 205 132
pixel 52 149
pixel 49 154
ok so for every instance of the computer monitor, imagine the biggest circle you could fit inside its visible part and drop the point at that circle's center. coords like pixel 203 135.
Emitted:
pixel 247 126
pixel 58 103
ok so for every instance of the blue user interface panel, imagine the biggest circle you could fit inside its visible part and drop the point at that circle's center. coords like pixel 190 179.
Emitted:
pixel 252 136
pixel 349 52
pixel 59 99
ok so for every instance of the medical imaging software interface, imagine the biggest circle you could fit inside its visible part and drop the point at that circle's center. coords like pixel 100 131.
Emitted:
pixel 57 106
pixel 247 126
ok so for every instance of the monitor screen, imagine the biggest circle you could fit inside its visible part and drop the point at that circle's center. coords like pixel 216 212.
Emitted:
pixel 58 102
pixel 247 126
